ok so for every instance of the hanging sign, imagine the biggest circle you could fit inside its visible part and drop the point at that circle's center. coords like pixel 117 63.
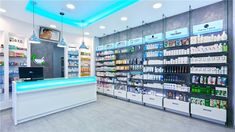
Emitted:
pixel 136 41
pixel 121 44
pixel 178 33
pixel 100 47
pixel 210 27
pixel 110 46
pixel 153 38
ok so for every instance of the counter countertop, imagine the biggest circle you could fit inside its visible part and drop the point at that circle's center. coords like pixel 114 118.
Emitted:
pixel 47 84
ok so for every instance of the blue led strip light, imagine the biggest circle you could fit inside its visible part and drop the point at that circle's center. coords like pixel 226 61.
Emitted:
pixel 53 83
pixel 119 4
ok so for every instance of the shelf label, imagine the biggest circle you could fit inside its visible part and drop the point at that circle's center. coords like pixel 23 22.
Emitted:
pixel 178 33
pixel 210 27
pixel 136 41
pixel 153 38
pixel 121 44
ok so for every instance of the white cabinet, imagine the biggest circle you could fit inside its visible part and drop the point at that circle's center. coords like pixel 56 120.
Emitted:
pixel 176 105
pixel 120 93
pixel 109 91
pixel 152 100
pixel 134 97
pixel 100 89
pixel 209 112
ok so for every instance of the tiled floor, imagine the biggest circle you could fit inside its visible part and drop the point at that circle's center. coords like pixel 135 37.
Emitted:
pixel 111 115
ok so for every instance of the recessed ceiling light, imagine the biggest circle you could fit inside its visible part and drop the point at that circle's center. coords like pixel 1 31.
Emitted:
pixel 53 26
pixel 87 33
pixel 124 18
pixel 2 10
pixel 157 5
pixel 102 27
pixel 70 6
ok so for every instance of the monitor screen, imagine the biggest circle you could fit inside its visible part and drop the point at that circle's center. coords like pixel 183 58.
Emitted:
pixel 31 72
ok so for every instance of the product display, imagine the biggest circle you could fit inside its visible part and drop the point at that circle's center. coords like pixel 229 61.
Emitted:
pixel 200 39
pixel 179 60
pixel 73 62
pixel 216 48
pixel 176 52
pixel 209 70
pixel 154 46
pixel 220 104
pixel 174 43
pixel 208 59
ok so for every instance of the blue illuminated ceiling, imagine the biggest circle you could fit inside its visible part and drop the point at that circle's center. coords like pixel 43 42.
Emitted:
pixel 89 11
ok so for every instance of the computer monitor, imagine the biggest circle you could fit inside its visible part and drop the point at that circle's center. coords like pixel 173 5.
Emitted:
pixel 32 73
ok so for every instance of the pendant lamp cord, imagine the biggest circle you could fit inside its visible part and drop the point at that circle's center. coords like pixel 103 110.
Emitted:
pixel 33 2
pixel 62 21
pixel 82 31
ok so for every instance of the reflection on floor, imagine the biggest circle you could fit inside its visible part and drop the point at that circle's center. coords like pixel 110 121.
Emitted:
pixel 110 115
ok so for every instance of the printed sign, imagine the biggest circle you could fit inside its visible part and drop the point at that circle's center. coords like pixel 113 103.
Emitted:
pixel 153 38
pixel 110 46
pixel 210 27
pixel 136 41
pixel 178 33
pixel 121 44
pixel 100 47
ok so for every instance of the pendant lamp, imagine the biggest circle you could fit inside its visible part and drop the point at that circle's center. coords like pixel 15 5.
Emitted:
pixel 83 45
pixel 62 43
pixel 34 39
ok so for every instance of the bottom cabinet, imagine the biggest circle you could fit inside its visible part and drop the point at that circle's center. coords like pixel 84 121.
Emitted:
pixel 177 105
pixel 209 112
pixel 109 91
pixel 120 93
pixel 134 97
pixel 152 100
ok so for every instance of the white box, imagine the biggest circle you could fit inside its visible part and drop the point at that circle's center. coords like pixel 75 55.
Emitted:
pixel 209 112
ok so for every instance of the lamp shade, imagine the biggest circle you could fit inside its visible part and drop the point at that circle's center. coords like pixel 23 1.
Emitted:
pixel 62 43
pixel 83 46
pixel 34 39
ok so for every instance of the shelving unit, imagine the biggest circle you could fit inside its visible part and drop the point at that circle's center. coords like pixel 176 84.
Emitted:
pixel 105 75
pixel 209 81
pixel 73 62
pixel 17 57
pixel 85 63
pixel 153 73
pixel 176 72
pixel 180 71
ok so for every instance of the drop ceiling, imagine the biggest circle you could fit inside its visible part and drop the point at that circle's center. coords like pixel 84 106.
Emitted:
pixel 136 12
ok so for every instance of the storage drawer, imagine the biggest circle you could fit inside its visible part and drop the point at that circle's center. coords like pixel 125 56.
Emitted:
pixel 134 96
pixel 108 91
pixel 120 93
pixel 208 112
pixel 152 99
pixel 176 105
pixel 100 89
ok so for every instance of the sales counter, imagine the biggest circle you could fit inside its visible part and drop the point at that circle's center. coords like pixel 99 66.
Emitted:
pixel 34 99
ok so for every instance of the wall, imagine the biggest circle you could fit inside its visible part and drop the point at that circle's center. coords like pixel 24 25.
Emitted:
pixel 25 30
pixel 233 58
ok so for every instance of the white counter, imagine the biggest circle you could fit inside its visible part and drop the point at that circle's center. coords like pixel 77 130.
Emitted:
pixel 35 99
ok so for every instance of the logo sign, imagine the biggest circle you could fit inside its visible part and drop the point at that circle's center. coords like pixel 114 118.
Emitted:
pixel 178 33
pixel 210 27
pixel 153 38
pixel 38 61
pixel 136 41
pixel 121 44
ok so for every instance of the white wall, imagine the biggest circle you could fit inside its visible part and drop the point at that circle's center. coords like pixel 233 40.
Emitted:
pixel 25 30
